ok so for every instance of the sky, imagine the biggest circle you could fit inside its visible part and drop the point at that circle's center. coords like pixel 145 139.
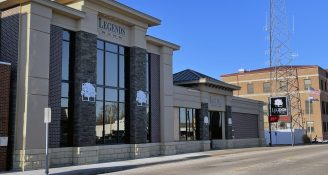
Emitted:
pixel 221 36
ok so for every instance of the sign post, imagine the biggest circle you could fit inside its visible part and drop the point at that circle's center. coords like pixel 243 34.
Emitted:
pixel 47 120
pixel 279 111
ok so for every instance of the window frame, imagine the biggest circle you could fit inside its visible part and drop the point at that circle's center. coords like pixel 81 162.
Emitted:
pixel 250 88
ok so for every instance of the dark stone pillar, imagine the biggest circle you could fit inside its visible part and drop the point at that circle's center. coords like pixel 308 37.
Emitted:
pixel 136 121
pixel 228 126
pixel 55 85
pixel 85 63
pixel 203 128
pixel 155 98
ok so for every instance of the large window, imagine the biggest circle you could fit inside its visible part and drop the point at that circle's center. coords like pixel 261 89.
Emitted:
pixel 323 107
pixel 250 88
pixel 266 87
pixel 310 127
pixel 110 100
pixel 65 86
pixel 187 118
pixel 307 84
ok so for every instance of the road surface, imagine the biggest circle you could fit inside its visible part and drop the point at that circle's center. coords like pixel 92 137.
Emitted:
pixel 298 160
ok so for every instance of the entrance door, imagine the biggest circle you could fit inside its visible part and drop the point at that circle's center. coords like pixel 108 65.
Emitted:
pixel 215 125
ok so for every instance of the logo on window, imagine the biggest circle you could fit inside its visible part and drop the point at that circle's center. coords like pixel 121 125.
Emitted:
pixel 141 98
pixel 278 103
pixel 88 92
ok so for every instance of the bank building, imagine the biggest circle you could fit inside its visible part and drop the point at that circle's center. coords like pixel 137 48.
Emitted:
pixel 111 89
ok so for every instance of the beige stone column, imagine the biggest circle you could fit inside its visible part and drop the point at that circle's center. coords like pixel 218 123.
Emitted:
pixel 166 93
pixel 33 76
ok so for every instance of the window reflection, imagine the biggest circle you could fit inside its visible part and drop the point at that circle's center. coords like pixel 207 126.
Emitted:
pixel 110 102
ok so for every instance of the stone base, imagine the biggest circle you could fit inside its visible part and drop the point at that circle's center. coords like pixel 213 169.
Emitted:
pixel 237 143
pixel 58 157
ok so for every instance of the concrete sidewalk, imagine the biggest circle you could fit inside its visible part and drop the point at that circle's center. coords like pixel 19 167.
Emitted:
pixel 109 167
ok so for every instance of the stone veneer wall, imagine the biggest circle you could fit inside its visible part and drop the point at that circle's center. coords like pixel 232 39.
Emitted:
pixel 137 115
pixel 55 70
pixel 35 159
pixel 85 62
pixel 203 128
pixel 238 143
pixel 4 110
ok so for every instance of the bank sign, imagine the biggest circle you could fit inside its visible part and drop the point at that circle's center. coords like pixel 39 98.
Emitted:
pixel 279 109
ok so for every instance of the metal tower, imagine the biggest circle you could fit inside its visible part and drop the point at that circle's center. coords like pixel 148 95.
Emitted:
pixel 283 75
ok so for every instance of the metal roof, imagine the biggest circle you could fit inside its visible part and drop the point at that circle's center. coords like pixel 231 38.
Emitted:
pixel 189 76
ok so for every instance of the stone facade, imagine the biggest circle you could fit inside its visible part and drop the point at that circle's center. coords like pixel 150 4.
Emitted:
pixel 55 85
pixel 85 62
pixel 228 126
pixel 58 157
pixel 203 128
pixel 238 143
pixel 155 98
pixel 136 118
pixel 4 110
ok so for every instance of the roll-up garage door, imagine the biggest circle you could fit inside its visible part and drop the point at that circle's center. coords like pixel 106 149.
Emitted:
pixel 245 125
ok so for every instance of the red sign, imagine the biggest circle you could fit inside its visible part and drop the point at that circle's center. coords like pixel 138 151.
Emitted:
pixel 273 119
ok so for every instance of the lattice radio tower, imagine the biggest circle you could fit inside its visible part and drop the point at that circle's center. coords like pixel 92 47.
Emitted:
pixel 283 75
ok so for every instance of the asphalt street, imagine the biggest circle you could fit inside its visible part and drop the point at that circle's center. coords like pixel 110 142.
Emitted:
pixel 298 160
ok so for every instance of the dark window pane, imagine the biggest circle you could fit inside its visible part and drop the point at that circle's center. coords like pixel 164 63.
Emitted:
pixel 111 94
pixel 64 89
pixel 122 50
pixel 99 122
pixel 111 116
pixel 100 67
pixel 121 132
pixel 250 88
pixel 100 45
pixel 65 60
pixel 111 70
pixel 100 93
pixel 111 47
pixel 122 96
pixel 121 73
pixel 66 35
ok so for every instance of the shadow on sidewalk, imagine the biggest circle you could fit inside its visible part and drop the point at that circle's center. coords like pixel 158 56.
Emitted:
pixel 103 170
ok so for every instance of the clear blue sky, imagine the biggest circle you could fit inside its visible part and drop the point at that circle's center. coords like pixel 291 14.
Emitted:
pixel 221 36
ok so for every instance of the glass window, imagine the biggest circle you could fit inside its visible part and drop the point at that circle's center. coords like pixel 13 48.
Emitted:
pixel 111 69
pixel 65 60
pixel 100 67
pixel 65 90
pixel 310 127
pixel 324 126
pixel 308 105
pixel 187 118
pixel 110 84
pixel 183 124
pixel 99 122
pixel 266 87
pixel 250 88
pixel 111 47
pixel 307 84
pixel 321 84
pixel 111 94
pixel 121 71
pixel 326 108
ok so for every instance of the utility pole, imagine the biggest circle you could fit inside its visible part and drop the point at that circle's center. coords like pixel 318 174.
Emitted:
pixel 283 75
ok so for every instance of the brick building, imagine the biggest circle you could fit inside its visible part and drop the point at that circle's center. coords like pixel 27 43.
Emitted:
pixel 255 84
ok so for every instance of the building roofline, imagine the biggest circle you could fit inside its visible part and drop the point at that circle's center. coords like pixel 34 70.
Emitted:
pixel 160 42
pixel 54 5
pixel 150 20
pixel 267 69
